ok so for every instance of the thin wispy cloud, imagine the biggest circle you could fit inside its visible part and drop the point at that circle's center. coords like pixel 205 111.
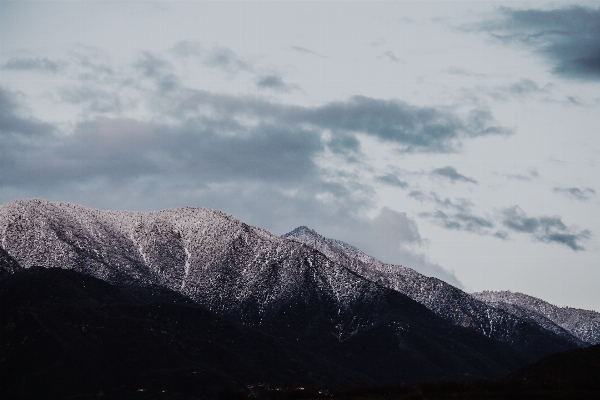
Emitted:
pixel 529 176
pixel 576 193
pixel 450 173
pixel 461 221
pixel 393 180
pixel 454 214
pixel 463 72
pixel 307 51
pixel 390 56
pixel 34 64
pixel 458 215
pixel 546 229
pixel 93 99
pixel 274 82
pixel 217 57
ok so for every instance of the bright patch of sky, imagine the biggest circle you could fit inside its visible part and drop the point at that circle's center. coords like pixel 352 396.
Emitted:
pixel 465 133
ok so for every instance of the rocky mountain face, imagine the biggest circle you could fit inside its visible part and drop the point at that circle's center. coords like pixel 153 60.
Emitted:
pixel 584 324
pixel 496 320
pixel 346 310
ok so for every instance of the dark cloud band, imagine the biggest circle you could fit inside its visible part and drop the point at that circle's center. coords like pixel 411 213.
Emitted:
pixel 568 37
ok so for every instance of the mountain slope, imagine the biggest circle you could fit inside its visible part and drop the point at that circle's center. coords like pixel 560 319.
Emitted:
pixel 64 334
pixel 279 286
pixel 577 369
pixel 583 324
pixel 8 265
pixel 444 299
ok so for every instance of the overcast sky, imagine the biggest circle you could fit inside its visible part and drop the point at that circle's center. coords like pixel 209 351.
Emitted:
pixel 461 139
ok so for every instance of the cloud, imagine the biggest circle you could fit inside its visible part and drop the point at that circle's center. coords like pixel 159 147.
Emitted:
pixel 461 221
pixel 449 172
pixel 227 60
pixel 218 57
pixel 216 137
pixel 392 180
pixel 576 193
pixel 518 90
pixel 458 214
pixel 34 64
pixel 14 126
pixel 391 228
pixel 567 37
pixel 377 42
pixel 390 56
pixel 257 159
pixel 463 72
pixel 93 65
pixel 414 129
pixel 418 195
pixel 390 236
pixel 544 229
pixel 96 99
pixel 307 51
pixel 159 70
pixel 454 215
pixel 387 237
pixel 274 82
pixel 531 174
pixel 22 139
pixel 524 87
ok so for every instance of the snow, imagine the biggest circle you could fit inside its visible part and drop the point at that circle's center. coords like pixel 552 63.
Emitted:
pixel 461 308
pixel 231 267
pixel 584 324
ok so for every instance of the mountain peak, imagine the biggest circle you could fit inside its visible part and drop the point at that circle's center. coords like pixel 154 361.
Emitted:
pixel 301 230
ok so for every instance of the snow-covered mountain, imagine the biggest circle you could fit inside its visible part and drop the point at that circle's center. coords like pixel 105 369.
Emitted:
pixel 491 319
pixel 351 313
pixel 584 324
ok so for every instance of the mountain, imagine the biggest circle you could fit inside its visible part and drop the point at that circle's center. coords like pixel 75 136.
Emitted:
pixel 66 334
pixel 584 324
pixel 573 374
pixel 8 265
pixel 523 330
pixel 278 286
pixel 575 370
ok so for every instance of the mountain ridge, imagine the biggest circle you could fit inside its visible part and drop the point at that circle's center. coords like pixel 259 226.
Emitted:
pixel 584 324
pixel 277 285
pixel 445 300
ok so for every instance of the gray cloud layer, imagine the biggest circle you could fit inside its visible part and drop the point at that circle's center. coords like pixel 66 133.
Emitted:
pixel 568 37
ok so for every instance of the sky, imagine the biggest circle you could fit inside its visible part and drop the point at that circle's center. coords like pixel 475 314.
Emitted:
pixel 461 139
